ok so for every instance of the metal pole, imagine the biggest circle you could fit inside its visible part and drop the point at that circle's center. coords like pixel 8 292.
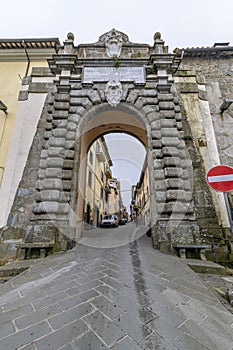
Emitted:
pixel 228 211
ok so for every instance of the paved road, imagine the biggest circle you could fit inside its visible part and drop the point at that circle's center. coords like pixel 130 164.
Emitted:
pixel 124 298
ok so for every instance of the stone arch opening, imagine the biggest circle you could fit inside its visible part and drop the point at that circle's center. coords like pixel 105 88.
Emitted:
pixel 104 121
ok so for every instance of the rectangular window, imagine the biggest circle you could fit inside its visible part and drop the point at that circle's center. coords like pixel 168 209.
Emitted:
pixel 101 193
pixel 102 176
pixel 91 157
pixel 90 178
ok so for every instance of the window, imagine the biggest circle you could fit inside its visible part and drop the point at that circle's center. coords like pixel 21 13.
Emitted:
pixel 91 157
pixel 101 193
pixel 102 176
pixel 90 178
pixel 98 147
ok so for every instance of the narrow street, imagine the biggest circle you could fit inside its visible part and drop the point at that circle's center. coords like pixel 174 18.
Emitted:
pixel 125 296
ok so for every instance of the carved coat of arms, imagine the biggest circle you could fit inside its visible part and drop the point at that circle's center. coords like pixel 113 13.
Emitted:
pixel 113 92
pixel 113 43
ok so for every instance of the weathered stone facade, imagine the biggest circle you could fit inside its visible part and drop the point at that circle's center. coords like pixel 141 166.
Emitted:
pixel 148 97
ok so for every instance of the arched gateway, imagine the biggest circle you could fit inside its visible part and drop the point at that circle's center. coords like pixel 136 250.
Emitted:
pixel 92 89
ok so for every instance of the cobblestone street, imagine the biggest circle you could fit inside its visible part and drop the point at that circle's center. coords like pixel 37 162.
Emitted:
pixel 125 297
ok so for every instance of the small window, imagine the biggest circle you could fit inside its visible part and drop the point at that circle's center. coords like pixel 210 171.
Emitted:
pixel 101 193
pixel 90 178
pixel 91 157
pixel 102 176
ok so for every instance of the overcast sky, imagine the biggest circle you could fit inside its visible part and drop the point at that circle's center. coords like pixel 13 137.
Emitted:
pixel 182 23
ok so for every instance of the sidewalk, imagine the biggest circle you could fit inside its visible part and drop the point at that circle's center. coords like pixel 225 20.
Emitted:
pixel 124 298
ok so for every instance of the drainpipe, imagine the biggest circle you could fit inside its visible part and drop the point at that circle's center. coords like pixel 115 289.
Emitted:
pixel 28 64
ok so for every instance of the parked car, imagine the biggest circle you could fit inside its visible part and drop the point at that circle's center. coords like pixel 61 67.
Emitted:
pixel 123 221
pixel 109 221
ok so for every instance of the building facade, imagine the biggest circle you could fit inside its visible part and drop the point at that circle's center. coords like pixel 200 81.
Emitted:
pixel 171 102
pixel 140 206
pixel 96 190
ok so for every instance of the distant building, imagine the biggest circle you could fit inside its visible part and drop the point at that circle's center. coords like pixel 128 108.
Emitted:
pixel 115 204
pixel 140 206
pixel 97 176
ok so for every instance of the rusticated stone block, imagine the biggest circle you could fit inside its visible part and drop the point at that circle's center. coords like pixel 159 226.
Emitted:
pixel 171 141
pixel 173 132
pixel 83 101
pixel 66 174
pixel 160 185
pixel 178 116
pixel 170 152
pixel 166 105
pixel 43 163
pixel 61 105
pixel 60 114
pixel 59 123
pixel 171 162
pixel 168 123
pixel 156 144
pixel 68 164
pixel 66 185
pixel 150 109
pixel 181 195
pixel 156 134
pixel 153 115
pixel 70 135
pixel 50 195
pixel 157 164
pixel 187 185
pixel 53 173
pixel 165 97
pixel 59 132
pixel 62 97
pixel 173 172
pixel 176 207
pixel 56 152
pixel 149 92
pixel 57 142
pixel 133 94
pixel 177 109
pixel 70 145
pixel 71 126
pixel 69 154
pixel 174 183
pixel 167 114
pixel 156 125
pixel 55 184
pixel 161 196
pixel 158 174
pixel 94 96
pixel 75 118
pixel 55 162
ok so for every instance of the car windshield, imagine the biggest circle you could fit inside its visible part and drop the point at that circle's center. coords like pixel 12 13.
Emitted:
pixel 107 217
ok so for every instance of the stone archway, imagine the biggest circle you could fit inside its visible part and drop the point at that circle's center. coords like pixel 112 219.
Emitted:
pixel 95 92
pixel 107 120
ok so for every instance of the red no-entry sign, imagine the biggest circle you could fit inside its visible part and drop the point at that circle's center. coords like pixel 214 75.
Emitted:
pixel 220 178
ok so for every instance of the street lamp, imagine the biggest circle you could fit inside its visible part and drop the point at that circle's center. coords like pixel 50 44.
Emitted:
pixel 225 105
pixel 3 107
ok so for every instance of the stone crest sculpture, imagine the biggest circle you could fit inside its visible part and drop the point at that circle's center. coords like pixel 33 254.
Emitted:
pixel 113 43
pixel 113 92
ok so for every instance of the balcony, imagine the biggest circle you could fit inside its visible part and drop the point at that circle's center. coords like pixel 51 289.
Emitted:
pixel 108 172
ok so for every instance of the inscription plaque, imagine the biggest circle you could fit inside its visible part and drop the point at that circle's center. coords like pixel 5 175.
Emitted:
pixel 105 74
